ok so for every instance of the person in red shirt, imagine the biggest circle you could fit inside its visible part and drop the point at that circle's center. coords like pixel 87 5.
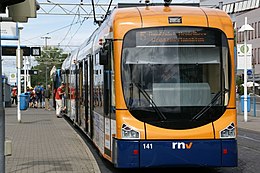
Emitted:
pixel 14 95
pixel 72 101
pixel 58 98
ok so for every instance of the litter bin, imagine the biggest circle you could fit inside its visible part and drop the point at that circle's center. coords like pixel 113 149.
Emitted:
pixel 24 101
pixel 248 103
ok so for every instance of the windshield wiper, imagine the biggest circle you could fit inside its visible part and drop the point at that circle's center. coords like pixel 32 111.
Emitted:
pixel 206 108
pixel 146 95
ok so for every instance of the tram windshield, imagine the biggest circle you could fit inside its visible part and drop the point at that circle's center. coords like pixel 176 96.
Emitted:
pixel 178 70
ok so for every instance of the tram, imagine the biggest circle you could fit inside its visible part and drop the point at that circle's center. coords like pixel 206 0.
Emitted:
pixel 154 86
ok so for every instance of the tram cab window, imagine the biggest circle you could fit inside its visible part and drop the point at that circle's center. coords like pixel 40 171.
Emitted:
pixel 175 67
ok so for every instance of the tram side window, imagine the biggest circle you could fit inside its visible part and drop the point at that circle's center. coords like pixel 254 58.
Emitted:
pixel 98 85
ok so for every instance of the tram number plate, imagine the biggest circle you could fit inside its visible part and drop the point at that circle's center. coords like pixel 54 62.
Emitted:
pixel 148 146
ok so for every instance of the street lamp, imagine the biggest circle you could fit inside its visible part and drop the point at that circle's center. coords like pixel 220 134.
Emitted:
pixel 46 38
pixel 46 68
pixel 19 57
pixel 46 75
pixel 25 74
pixel 246 27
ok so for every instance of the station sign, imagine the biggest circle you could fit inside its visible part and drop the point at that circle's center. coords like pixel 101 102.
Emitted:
pixel 35 51
pixel 27 51
pixel 241 51
pixel 9 31
pixel 249 72
pixel 12 77
pixel 31 72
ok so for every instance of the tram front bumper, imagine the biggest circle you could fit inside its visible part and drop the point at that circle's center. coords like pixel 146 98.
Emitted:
pixel 190 153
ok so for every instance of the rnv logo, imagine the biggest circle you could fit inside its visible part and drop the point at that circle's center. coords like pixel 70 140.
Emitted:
pixel 181 145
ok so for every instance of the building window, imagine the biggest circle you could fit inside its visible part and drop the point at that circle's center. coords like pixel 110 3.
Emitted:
pixel 242 36
pixel 258 29
pixel 248 35
pixel 255 29
pixel 252 32
pixel 238 36
pixel 258 56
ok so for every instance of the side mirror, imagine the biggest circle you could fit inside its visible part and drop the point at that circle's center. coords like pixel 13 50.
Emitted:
pixel 103 57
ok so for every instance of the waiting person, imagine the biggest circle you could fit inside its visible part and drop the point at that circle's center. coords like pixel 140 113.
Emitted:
pixel 58 98
pixel 47 96
pixel 14 95
pixel 39 92
pixel 43 97
pixel 32 100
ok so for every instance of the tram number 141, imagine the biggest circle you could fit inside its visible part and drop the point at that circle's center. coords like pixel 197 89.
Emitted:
pixel 148 146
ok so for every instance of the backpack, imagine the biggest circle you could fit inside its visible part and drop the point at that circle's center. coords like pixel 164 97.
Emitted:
pixel 38 90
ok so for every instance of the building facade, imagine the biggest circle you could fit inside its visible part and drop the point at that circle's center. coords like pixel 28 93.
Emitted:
pixel 253 37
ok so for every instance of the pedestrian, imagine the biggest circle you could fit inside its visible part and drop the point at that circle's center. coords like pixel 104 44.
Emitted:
pixel 14 95
pixel 39 92
pixel 58 98
pixel 33 101
pixel 43 96
pixel 47 96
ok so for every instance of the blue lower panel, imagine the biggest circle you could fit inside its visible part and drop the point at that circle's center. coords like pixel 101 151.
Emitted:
pixel 124 155
pixel 205 153
pixel 230 158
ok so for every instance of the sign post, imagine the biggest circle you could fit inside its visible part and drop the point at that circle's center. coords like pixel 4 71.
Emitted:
pixel 246 50
pixel 19 57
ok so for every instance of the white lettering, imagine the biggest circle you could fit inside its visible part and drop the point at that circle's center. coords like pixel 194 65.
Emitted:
pixel 181 145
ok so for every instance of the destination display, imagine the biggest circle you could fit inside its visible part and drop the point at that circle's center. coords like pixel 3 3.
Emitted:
pixel 173 36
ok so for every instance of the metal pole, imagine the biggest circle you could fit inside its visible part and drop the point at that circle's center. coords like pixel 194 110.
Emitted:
pixel 46 38
pixel 254 98
pixel 2 110
pixel 29 67
pixel 46 76
pixel 245 74
pixel 19 75
pixel 2 114
pixel 25 74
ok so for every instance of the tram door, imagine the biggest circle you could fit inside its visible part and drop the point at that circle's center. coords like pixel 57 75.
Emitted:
pixel 106 61
pixel 90 97
pixel 80 100
pixel 77 94
pixel 86 95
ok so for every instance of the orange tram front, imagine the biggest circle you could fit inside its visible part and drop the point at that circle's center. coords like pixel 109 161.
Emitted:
pixel 160 92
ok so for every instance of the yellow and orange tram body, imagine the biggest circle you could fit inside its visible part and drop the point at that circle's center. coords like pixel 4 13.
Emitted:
pixel 154 86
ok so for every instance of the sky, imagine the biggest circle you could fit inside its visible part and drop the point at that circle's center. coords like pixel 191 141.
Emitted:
pixel 64 31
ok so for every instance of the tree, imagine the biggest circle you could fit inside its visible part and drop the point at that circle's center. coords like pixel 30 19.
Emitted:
pixel 239 82
pixel 50 56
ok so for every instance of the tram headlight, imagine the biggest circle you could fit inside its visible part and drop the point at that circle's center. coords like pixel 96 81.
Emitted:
pixel 129 133
pixel 228 132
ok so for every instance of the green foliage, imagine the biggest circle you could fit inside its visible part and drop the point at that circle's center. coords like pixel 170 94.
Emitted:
pixel 50 56
pixel 239 82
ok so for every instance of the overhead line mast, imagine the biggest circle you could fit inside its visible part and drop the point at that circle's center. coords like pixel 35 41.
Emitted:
pixel 85 9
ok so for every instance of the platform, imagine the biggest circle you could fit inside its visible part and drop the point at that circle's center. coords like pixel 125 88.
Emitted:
pixel 44 143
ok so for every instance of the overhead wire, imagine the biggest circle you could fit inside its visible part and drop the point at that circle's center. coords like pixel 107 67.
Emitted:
pixel 84 19
pixel 108 9
pixel 53 31
pixel 75 33
pixel 70 25
pixel 69 29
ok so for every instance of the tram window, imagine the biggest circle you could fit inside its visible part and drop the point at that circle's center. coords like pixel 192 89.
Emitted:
pixel 98 86
pixel 168 58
